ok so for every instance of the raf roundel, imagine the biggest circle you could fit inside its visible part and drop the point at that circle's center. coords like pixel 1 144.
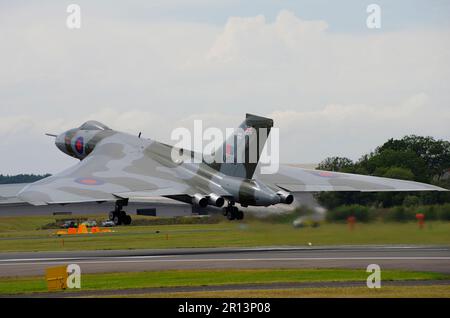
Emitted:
pixel 325 174
pixel 89 181
pixel 79 145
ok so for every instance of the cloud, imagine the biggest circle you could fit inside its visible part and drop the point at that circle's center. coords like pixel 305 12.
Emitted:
pixel 353 130
pixel 330 93
pixel 250 39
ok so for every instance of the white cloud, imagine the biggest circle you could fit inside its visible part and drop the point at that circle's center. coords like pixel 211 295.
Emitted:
pixel 353 130
pixel 330 93
pixel 252 39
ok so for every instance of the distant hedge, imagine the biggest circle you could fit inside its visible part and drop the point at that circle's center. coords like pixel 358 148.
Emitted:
pixel 21 178
pixel 214 219
pixel 341 213
pixel 397 213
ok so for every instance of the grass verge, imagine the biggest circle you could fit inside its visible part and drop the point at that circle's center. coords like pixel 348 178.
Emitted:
pixel 433 291
pixel 113 281
pixel 23 234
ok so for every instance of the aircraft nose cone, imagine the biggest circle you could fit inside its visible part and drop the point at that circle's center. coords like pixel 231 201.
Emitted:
pixel 60 141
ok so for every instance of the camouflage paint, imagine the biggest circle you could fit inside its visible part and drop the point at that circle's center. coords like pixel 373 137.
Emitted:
pixel 119 166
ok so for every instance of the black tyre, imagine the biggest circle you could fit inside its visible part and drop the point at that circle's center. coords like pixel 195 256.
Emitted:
pixel 231 215
pixel 127 220
pixel 111 215
pixel 117 220
pixel 240 215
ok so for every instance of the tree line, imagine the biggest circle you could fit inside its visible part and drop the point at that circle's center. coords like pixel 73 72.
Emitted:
pixel 416 158
pixel 21 178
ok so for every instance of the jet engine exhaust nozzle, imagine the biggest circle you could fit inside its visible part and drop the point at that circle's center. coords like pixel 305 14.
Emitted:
pixel 285 197
pixel 216 200
pixel 200 200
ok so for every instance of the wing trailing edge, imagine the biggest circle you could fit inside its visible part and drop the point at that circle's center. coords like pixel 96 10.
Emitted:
pixel 295 179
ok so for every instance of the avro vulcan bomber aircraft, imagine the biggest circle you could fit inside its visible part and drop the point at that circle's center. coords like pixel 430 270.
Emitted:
pixel 118 167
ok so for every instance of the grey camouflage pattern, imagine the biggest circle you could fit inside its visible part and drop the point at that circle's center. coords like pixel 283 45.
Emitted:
pixel 115 166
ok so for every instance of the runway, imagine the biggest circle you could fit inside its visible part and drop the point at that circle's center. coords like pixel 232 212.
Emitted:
pixel 419 258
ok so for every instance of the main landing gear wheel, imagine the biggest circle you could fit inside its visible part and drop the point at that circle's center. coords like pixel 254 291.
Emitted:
pixel 117 219
pixel 233 213
pixel 118 216
pixel 127 220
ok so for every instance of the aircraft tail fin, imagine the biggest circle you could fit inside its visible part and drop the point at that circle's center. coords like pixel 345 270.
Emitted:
pixel 242 149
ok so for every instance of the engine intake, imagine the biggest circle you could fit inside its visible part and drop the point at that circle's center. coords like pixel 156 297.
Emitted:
pixel 285 197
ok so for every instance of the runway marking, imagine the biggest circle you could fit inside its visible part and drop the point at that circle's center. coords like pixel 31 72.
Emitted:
pixel 373 249
pixel 348 248
pixel 234 260
pixel 75 258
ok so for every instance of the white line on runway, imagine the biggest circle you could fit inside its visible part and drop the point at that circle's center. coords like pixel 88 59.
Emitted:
pixel 236 260
pixel 75 258
pixel 281 249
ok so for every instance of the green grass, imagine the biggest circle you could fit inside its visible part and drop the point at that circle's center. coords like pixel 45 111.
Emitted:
pixel 23 224
pixel 20 234
pixel 209 277
pixel 433 291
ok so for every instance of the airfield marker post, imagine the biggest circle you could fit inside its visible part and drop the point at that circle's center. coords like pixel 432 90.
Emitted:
pixel 351 220
pixel 420 219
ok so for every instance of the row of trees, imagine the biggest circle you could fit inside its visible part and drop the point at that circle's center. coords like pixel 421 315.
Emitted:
pixel 399 213
pixel 416 158
pixel 21 178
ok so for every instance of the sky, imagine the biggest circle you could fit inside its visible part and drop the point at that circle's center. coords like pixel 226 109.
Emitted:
pixel 332 85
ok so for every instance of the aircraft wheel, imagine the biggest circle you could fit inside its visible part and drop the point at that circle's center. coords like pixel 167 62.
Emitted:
pixel 111 215
pixel 117 220
pixel 225 211
pixel 127 220
pixel 231 215
pixel 240 215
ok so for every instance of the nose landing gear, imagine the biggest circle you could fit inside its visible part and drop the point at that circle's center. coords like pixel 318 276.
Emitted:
pixel 118 216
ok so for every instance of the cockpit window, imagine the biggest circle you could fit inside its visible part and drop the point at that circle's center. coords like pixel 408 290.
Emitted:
pixel 94 125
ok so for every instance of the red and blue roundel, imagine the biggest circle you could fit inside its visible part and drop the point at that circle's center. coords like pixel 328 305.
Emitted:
pixel 325 174
pixel 89 181
pixel 79 145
